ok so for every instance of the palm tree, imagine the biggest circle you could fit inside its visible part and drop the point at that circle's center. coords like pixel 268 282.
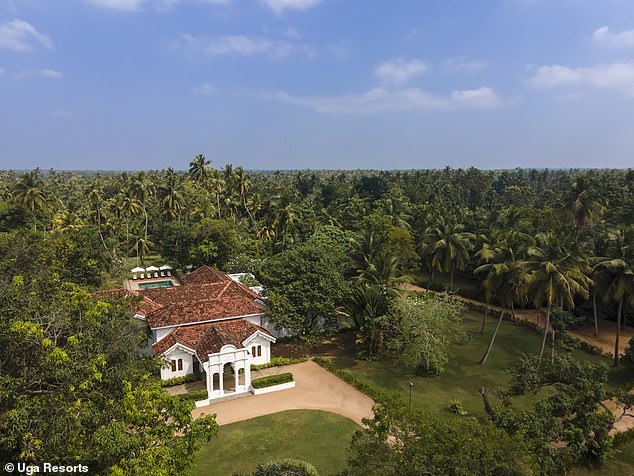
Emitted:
pixel 199 169
pixel 172 200
pixel 584 204
pixel 130 207
pixel 217 186
pixel 243 185
pixel 617 272
pixel 446 247
pixel 366 305
pixel 554 277
pixel 29 194
pixel 142 248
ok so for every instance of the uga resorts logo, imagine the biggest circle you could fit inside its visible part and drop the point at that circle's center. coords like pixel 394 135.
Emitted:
pixel 45 468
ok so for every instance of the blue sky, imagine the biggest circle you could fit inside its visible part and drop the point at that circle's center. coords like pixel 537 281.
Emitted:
pixel 267 84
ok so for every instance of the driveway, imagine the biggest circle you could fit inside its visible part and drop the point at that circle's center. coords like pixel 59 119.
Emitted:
pixel 315 389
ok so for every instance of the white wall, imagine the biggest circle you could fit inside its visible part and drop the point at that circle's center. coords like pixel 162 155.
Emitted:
pixel 161 333
pixel 188 364
pixel 265 322
pixel 266 350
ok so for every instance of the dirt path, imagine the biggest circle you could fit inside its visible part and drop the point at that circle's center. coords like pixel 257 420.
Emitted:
pixel 604 341
pixel 315 389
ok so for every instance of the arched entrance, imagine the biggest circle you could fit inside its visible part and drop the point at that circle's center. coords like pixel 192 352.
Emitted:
pixel 229 379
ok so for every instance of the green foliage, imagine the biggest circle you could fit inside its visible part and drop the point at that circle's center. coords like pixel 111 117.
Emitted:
pixel 286 467
pixel 628 355
pixel 424 328
pixel 195 396
pixel 271 380
pixel 399 442
pixel 455 406
pixel 571 414
pixel 195 377
pixel 305 285
pixel 75 384
pixel 278 362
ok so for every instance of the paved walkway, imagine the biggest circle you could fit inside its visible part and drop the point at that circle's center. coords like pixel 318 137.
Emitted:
pixel 315 389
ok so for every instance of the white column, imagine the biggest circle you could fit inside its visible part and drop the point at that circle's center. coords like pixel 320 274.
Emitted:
pixel 247 375
pixel 222 378
pixel 236 376
pixel 210 382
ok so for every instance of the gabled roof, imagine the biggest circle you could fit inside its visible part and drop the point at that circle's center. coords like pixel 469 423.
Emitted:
pixel 209 338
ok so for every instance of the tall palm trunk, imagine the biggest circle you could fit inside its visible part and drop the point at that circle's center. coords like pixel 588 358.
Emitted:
pixel 541 352
pixel 431 279
pixel 618 333
pixel 594 309
pixel 453 269
pixel 484 358
pixel 486 315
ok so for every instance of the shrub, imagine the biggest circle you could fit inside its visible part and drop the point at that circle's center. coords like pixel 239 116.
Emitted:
pixel 628 355
pixel 455 406
pixel 195 377
pixel 286 467
pixel 278 362
pixel 195 395
pixel 272 380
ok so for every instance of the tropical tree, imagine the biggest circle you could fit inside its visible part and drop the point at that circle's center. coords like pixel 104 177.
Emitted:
pixel 29 194
pixel 199 169
pixel 446 248
pixel 617 273
pixel 554 277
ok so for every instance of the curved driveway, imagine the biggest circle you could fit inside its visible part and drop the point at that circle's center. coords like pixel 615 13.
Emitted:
pixel 315 389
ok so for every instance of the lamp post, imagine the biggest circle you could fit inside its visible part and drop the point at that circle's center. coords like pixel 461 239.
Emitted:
pixel 411 384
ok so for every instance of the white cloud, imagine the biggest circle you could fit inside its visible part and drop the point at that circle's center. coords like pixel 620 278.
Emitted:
pixel 456 65
pixel 18 35
pixel 616 76
pixel 341 50
pixel 244 46
pixel 399 71
pixel 119 5
pixel 205 89
pixel 390 100
pixel 482 97
pixel 603 36
pixel 51 73
pixel 292 33
pixel 278 6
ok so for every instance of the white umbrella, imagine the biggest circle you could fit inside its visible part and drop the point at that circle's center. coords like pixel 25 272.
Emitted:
pixel 152 268
pixel 138 270
pixel 164 267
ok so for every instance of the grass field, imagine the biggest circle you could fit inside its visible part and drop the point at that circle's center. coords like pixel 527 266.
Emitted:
pixel 463 377
pixel 321 438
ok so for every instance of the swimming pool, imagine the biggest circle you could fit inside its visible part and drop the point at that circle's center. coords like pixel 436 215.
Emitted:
pixel 157 284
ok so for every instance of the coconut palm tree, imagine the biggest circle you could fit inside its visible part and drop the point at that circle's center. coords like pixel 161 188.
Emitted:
pixel 199 169
pixel 617 272
pixel 28 193
pixel 171 196
pixel 583 203
pixel 446 248
pixel 366 305
pixel 217 186
pixel 554 277
pixel 243 185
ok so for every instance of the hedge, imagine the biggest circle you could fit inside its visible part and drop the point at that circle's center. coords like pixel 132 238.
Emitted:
pixel 374 393
pixel 180 380
pixel 286 467
pixel 195 395
pixel 279 362
pixel 272 380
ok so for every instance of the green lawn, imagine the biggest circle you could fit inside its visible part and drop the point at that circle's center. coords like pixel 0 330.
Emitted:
pixel 321 438
pixel 463 377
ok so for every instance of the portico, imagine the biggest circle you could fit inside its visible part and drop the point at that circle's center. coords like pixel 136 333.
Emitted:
pixel 228 371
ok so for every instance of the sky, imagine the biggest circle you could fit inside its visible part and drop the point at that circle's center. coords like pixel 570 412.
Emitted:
pixel 321 84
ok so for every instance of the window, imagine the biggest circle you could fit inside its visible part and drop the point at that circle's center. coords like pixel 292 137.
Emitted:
pixel 180 364
pixel 259 351
pixel 173 366
pixel 253 352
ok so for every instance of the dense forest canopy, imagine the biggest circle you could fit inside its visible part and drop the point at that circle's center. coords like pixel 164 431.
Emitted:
pixel 330 247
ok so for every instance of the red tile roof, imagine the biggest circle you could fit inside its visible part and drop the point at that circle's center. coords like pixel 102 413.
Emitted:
pixel 206 294
pixel 209 338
